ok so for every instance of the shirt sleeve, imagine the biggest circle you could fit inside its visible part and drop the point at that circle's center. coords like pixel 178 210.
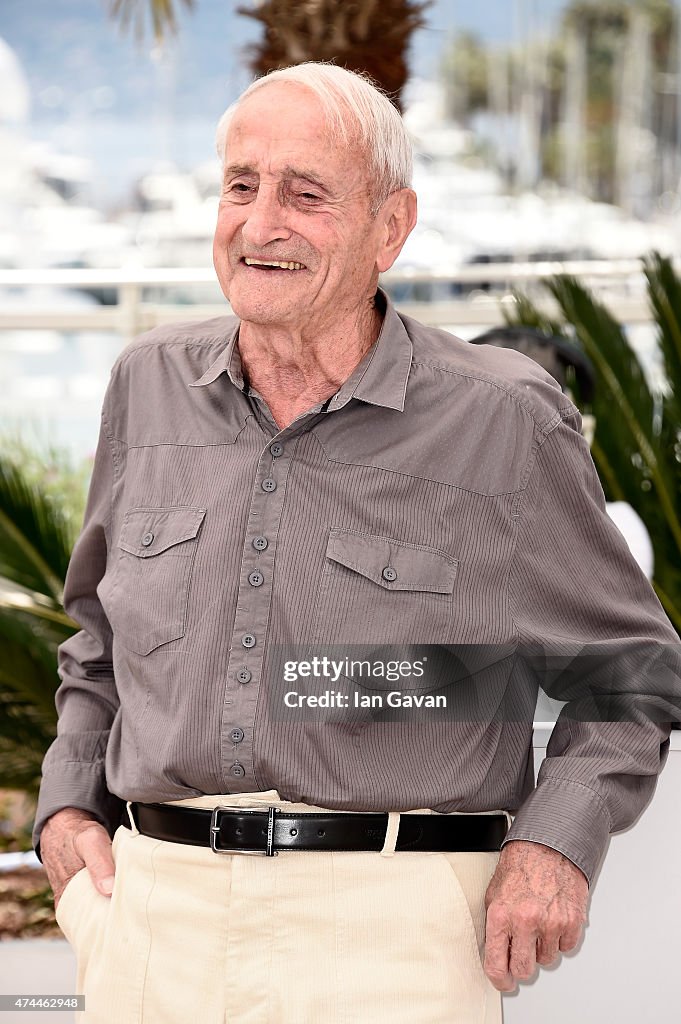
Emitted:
pixel 580 599
pixel 86 700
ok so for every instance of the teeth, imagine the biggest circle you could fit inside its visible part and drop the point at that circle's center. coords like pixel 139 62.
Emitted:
pixel 290 265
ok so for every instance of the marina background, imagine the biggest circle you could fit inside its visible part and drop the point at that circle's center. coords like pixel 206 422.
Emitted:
pixel 544 145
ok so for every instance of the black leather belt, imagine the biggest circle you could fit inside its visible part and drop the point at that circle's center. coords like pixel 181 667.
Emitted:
pixel 268 830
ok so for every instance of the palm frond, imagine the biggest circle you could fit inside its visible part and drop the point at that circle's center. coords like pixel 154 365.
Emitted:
pixel 344 33
pixel 623 384
pixel 31 603
pixel 34 535
pixel 133 14
pixel 20 766
pixel 28 673
pixel 26 731
pixel 25 724
pixel 523 311
pixel 35 541
pixel 664 292
pixel 637 446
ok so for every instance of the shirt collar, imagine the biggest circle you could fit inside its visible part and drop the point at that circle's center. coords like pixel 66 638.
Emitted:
pixel 227 362
pixel 379 379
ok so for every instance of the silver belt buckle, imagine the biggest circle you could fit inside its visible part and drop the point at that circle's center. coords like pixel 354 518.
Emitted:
pixel 214 833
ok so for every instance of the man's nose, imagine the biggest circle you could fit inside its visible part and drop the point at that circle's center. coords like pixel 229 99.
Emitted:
pixel 266 218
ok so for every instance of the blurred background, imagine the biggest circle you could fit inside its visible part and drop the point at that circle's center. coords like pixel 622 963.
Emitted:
pixel 547 131
pixel 548 169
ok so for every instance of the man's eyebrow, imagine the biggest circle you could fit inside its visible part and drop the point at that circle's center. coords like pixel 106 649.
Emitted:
pixel 299 172
pixel 302 174
pixel 235 169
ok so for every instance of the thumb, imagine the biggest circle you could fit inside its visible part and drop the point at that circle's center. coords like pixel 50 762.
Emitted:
pixel 93 845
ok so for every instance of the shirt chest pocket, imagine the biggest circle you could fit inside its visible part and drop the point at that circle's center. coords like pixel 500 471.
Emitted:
pixel 377 589
pixel 148 596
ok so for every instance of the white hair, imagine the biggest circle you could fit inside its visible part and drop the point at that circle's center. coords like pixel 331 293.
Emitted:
pixel 374 121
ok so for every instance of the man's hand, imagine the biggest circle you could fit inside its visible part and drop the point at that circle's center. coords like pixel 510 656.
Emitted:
pixel 536 906
pixel 72 839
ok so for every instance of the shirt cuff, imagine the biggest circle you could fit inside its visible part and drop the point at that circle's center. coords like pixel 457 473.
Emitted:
pixel 570 818
pixel 77 784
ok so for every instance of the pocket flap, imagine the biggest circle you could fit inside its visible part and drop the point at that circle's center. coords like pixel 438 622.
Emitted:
pixel 393 564
pixel 149 531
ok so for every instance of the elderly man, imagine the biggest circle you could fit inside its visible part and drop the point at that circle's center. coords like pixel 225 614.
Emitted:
pixel 323 471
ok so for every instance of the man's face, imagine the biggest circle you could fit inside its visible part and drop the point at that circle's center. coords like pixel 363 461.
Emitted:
pixel 291 195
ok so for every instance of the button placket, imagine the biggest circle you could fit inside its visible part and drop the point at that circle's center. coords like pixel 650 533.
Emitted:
pixel 244 671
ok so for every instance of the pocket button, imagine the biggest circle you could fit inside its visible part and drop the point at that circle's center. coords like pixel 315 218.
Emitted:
pixel 389 574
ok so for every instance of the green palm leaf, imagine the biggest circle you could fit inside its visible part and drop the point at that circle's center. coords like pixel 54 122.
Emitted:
pixel 134 13
pixel 20 765
pixel 631 406
pixel 29 726
pixel 29 664
pixel 34 535
pixel 637 446
pixel 523 311
pixel 664 290
pixel 35 540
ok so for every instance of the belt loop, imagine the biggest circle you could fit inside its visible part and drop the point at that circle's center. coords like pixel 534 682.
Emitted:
pixel 269 847
pixel 391 834
pixel 133 826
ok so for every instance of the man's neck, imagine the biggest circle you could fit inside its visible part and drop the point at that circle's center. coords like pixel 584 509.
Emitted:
pixel 295 370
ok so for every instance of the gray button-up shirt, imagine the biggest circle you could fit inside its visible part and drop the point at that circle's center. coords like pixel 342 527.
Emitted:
pixel 443 498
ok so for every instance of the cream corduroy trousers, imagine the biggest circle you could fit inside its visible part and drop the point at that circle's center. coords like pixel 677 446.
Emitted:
pixel 302 938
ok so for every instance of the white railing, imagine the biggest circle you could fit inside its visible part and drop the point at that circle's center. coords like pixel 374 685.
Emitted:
pixel 618 282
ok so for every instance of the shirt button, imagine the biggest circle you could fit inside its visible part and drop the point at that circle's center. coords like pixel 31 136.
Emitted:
pixel 248 640
pixel 269 484
pixel 147 539
pixel 238 770
pixel 276 449
pixel 256 578
pixel 243 675
pixel 389 573
pixel 236 735
pixel 259 543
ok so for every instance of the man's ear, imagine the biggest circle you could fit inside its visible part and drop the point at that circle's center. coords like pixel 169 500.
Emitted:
pixel 398 214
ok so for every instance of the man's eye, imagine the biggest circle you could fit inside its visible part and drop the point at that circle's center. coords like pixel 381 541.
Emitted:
pixel 240 187
pixel 309 196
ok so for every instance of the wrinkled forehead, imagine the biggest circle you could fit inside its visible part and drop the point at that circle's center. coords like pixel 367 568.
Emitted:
pixel 289 113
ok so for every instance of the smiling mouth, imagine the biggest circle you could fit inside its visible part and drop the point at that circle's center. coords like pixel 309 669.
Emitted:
pixel 274 264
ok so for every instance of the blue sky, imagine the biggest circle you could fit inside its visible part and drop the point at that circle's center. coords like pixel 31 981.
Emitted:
pixel 96 93
pixel 73 46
